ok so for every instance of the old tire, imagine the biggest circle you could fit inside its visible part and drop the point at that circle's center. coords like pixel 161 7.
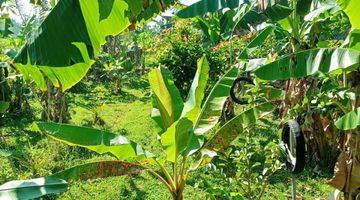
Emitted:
pixel 233 87
pixel 294 144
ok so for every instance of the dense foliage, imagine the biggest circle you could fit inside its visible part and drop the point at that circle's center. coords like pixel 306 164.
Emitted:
pixel 218 96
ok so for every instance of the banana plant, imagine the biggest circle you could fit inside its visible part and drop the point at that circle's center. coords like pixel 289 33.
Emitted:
pixel 184 134
pixel 303 62
pixel 238 13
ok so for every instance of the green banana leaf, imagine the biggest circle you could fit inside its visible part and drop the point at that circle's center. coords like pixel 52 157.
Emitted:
pixel 231 130
pixel 213 105
pixel 351 8
pixel 66 43
pixel 256 42
pixel 176 138
pixel 197 89
pixel 303 7
pixel 93 139
pixel 242 16
pixel 349 121
pixel 273 11
pixel 33 188
pixel 5 26
pixel 309 62
pixel 61 77
pixel 277 12
pixel 327 6
pixel 205 6
pixel 353 39
pixel 167 101
pixel 100 169
pixel 211 31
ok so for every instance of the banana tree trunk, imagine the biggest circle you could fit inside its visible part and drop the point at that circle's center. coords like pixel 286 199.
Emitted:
pixel 321 141
pixel 178 195
pixel 347 169
pixel 54 103
pixel 320 138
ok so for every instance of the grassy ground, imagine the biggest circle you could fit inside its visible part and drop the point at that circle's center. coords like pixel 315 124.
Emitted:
pixel 127 113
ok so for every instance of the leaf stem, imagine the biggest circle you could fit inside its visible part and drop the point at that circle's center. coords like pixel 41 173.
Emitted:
pixel 161 179
pixel 167 175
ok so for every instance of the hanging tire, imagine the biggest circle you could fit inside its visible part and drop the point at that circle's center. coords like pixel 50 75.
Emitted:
pixel 233 87
pixel 294 144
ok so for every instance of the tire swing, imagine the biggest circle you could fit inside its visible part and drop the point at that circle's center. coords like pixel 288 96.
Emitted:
pixel 294 144
pixel 239 84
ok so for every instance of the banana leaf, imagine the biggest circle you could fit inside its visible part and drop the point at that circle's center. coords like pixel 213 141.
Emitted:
pixel 309 62
pixel 96 140
pixel 349 121
pixel 213 105
pixel 176 139
pixel 31 189
pixel 233 128
pixel 100 169
pixel 205 6
pixel 167 101
pixel 68 40
pixel 351 8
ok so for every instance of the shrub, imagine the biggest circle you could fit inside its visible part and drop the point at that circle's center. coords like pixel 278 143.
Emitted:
pixel 185 46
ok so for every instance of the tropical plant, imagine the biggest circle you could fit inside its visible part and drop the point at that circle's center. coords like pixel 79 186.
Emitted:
pixel 307 66
pixel 247 165
pixel 183 127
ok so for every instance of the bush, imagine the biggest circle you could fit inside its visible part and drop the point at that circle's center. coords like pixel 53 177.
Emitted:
pixel 185 46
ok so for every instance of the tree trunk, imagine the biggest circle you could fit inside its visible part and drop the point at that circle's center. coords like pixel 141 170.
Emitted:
pixel 321 141
pixel 320 138
pixel 54 103
pixel 178 195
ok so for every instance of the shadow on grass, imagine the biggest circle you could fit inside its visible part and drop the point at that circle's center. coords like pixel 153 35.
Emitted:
pixel 138 83
pixel 139 194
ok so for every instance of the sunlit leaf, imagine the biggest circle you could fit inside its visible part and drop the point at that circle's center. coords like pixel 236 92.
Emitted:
pixel 322 9
pixel 212 107
pixel 33 188
pixel 83 26
pixel 93 139
pixel 5 153
pixel 256 42
pixel 353 40
pixel 167 102
pixel 233 128
pixel 349 121
pixel 309 62
pixel 176 138
pixel 351 8
pixel 198 86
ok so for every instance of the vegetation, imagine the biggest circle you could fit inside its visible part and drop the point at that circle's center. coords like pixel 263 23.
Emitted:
pixel 221 80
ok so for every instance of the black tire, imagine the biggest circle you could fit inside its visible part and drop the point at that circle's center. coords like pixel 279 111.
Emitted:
pixel 233 87
pixel 292 129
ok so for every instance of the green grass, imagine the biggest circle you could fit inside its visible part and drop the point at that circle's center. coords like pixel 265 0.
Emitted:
pixel 307 186
pixel 128 114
